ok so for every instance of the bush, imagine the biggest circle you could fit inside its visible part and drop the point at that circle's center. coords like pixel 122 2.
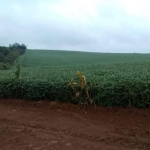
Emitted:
pixel 9 55
pixel 125 93
pixel 4 66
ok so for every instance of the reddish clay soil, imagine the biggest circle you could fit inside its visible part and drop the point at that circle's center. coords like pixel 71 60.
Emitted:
pixel 43 125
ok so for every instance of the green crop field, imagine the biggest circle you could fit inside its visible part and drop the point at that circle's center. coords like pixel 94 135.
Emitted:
pixel 57 66
pixel 44 58
pixel 118 77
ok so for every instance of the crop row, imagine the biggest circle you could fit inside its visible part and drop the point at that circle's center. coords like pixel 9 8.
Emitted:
pixel 113 84
pixel 124 93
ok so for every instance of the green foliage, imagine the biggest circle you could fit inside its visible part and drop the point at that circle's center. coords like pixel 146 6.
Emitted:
pixel 20 48
pixel 82 90
pixel 55 58
pixel 17 72
pixel 118 79
pixel 9 55
pixel 4 66
pixel 34 90
pixel 105 95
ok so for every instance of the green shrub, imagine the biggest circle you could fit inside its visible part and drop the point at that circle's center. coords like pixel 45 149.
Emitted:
pixel 125 93
pixel 4 66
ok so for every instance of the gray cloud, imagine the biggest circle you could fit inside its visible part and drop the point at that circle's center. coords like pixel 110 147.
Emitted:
pixel 40 26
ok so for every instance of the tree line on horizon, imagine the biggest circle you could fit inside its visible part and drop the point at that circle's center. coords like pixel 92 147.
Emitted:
pixel 9 54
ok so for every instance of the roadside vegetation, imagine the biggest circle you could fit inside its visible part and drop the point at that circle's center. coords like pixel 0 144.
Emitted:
pixel 111 79
pixel 9 54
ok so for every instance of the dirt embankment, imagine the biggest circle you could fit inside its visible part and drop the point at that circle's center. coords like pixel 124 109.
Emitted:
pixel 43 125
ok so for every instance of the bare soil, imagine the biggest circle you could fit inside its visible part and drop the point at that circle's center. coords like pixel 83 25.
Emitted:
pixel 26 125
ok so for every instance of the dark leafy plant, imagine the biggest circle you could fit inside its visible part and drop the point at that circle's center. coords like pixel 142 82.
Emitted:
pixel 82 90
pixel 17 72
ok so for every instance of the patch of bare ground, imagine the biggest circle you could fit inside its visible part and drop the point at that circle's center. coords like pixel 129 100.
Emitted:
pixel 26 125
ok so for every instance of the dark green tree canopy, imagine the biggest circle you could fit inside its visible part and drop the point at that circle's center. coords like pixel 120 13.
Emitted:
pixel 20 47
pixel 9 54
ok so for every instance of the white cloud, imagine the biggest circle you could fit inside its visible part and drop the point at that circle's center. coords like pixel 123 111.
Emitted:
pixel 138 8
pixel 76 10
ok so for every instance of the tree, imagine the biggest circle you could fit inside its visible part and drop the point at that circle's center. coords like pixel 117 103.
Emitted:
pixel 21 48
pixel 9 54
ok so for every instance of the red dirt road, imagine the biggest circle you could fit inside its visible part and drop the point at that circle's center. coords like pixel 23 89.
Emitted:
pixel 43 125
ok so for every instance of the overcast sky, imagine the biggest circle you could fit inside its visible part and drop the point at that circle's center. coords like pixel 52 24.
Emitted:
pixel 82 25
